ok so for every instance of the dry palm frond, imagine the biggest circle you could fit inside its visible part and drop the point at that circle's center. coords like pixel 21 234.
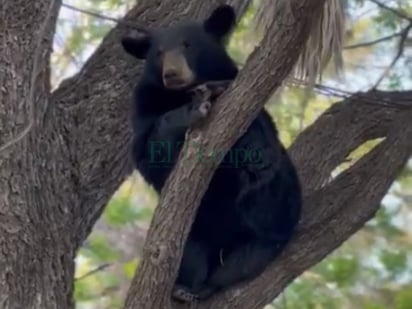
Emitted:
pixel 323 44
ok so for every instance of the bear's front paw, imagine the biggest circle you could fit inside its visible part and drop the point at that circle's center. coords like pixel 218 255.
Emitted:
pixel 199 112
pixel 201 93
pixel 209 91
pixel 181 294
pixel 216 88
pixel 204 108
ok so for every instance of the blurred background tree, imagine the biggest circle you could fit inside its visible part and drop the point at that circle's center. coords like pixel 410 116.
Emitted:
pixel 373 270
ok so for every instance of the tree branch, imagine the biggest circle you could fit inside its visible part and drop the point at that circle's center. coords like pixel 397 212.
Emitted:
pixel 93 271
pixel 377 41
pixel 390 9
pixel 361 121
pixel 401 48
pixel 105 17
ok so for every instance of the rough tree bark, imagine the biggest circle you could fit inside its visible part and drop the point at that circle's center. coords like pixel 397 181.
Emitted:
pixel 56 179
pixel 36 194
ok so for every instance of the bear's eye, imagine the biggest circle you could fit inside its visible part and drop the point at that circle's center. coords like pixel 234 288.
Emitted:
pixel 186 44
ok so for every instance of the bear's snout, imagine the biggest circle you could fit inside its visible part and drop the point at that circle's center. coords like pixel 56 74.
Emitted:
pixel 171 79
pixel 176 71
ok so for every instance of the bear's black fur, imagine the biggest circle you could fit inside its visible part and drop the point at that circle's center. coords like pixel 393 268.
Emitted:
pixel 253 203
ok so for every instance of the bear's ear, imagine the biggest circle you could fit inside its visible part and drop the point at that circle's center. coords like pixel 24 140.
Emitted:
pixel 221 21
pixel 137 45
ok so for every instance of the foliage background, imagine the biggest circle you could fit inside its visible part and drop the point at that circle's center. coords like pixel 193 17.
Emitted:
pixel 372 270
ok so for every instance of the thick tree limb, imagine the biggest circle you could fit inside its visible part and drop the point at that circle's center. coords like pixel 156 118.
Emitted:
pixel 340 130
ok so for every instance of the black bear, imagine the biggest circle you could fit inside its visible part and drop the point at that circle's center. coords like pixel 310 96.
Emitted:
pixel 253 203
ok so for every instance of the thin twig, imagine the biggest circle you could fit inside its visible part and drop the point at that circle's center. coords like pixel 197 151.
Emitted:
pixel 398 55
pixel 332 91
pixel 105 17
pixel 370 43
pixel 34 73
pixel 394 11
pixel 93 271
pixel 344 94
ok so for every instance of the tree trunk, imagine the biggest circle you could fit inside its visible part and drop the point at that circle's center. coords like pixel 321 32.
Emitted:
pixel 36 249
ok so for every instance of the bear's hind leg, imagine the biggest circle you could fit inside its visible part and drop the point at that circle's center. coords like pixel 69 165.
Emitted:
pixel 192 273
pixel 246 262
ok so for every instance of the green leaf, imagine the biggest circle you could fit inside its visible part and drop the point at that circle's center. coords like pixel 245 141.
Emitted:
pixel 374 306
pixel 342 270
pixel 394 262
pixel 129 268
pixel 403 299
pixel 83 290
pixel 120 212
pixel 99 251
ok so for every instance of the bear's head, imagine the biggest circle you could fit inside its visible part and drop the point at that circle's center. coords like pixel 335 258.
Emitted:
pixel 188 53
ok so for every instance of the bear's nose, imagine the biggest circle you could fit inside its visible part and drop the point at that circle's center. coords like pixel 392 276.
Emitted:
pixel 170 74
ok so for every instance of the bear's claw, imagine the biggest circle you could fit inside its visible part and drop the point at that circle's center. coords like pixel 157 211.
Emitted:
pixel 199 112
pixel 209 91
pixel 181 294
